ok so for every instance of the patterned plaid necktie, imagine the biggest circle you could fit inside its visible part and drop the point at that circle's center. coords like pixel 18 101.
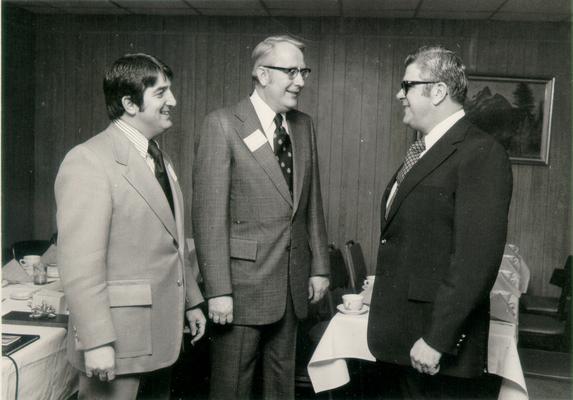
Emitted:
pixel 283 150
pixel 412 157
pixel 160 172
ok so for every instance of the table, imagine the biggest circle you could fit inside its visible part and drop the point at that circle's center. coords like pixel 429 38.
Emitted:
pixel 44 372
pixel 345 336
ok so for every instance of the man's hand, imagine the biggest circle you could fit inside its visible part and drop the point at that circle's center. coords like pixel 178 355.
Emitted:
pixel 221 309
pixel 317 287
pixel 100 362
pixel 425 358
pixel 197 323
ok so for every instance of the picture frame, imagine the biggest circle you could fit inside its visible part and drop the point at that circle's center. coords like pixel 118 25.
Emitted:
pixel 516 111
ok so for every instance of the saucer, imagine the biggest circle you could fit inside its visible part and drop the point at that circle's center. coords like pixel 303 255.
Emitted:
pixel 22 294
pixel 343 310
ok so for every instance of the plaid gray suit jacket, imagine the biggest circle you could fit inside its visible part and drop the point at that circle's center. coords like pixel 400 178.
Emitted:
pixel 253 240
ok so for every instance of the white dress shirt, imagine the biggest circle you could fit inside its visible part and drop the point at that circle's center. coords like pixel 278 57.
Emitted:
pixel 266 117
pixel 139 141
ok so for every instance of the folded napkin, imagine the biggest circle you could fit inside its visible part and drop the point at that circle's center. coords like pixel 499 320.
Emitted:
pixel 514 264
pixel 14 273
pixel 504 307
pixel 49 257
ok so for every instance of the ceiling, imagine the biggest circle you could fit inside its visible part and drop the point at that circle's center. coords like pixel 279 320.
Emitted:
pixel 508 10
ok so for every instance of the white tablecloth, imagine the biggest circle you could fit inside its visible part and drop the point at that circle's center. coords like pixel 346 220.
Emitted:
pixel 345 337
pixel 44 372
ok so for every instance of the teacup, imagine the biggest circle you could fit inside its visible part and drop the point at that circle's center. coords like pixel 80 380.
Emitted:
pixel 368 282
pixel 29 262
pixel 353 302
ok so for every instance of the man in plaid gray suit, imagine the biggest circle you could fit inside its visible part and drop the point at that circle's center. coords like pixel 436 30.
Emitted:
pixel 259 225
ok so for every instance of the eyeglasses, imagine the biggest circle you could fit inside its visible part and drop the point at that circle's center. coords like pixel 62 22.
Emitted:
pixel 291 72
pixel 406 85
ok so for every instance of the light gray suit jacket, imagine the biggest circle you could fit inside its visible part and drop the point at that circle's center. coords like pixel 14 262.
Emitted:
pixel 122 255
pixel 254 241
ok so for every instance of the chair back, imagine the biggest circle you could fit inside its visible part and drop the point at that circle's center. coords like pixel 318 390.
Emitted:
pixel 562 278
pixel 338 272
pixel 355 265
pixel 29 247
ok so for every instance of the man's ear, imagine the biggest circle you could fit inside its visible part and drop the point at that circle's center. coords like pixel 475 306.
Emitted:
pixel 439 93
pixel 129 106
pixel 263 76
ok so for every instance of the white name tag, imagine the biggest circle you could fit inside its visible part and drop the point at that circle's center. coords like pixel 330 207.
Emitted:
pixel 171 172
pixel 255 140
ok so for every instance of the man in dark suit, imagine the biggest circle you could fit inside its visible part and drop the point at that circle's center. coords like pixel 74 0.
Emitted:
pixel 443 231
pixel 259 225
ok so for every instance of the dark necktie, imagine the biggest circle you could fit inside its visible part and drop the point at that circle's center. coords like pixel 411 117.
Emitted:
pixel 412 157
pixel 160 171
pixel 283 150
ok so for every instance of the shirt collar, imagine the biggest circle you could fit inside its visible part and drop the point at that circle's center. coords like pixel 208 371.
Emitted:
pixel 440 130
pixel 265 113
pixel 134 136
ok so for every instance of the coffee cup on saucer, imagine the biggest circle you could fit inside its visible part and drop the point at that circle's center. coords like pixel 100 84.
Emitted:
pixel 352 302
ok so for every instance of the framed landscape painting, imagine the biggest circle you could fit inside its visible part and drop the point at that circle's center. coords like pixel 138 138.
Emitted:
pixel 516 111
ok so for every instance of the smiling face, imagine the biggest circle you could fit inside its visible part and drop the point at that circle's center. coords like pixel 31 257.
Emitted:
pixel 276 89
pixel 154 115
pixel 417 103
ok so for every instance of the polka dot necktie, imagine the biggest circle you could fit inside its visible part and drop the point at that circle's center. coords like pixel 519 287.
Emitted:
pixel 412 157
pixel 283 150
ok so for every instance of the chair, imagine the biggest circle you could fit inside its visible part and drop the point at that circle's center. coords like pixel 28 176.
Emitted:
pixel 29 247
pixel 355 264
pixel 312 328
pixel 550 332
pixel 544 305
pixel 546 364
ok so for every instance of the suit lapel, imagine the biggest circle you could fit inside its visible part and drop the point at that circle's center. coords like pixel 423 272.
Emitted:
pixel 178 203
pixel 264 154
pixel 430 161
pixel 296 131
pixel 385 198
pixel 138 174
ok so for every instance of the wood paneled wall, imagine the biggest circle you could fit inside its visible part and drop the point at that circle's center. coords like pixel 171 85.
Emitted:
pixel 357 67
pixel 17 126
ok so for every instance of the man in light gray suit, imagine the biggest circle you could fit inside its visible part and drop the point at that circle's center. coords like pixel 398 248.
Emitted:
pixel 259 225
pixel 121 242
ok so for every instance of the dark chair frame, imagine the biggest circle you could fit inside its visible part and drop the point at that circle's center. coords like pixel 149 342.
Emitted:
pixel 550 332
pixel 356 265
pixel 312 328
pixel 29 247
pixel 546 305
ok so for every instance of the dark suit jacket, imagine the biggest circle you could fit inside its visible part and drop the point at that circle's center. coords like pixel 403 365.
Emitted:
pixel 254 241
pixel 440 251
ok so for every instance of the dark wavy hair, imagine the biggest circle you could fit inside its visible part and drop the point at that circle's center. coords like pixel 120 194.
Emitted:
pixel 130 76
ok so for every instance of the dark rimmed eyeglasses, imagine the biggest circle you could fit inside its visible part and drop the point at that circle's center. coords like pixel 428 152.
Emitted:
pixel 291 72
pixel 406 85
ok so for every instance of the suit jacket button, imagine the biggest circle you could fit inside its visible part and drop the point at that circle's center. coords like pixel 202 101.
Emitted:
pixel 383 241
pixel 287 248
pixel 179 283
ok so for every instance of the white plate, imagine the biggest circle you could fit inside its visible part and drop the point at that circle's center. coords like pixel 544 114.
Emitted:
pixel 343 310
pixel 22 294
